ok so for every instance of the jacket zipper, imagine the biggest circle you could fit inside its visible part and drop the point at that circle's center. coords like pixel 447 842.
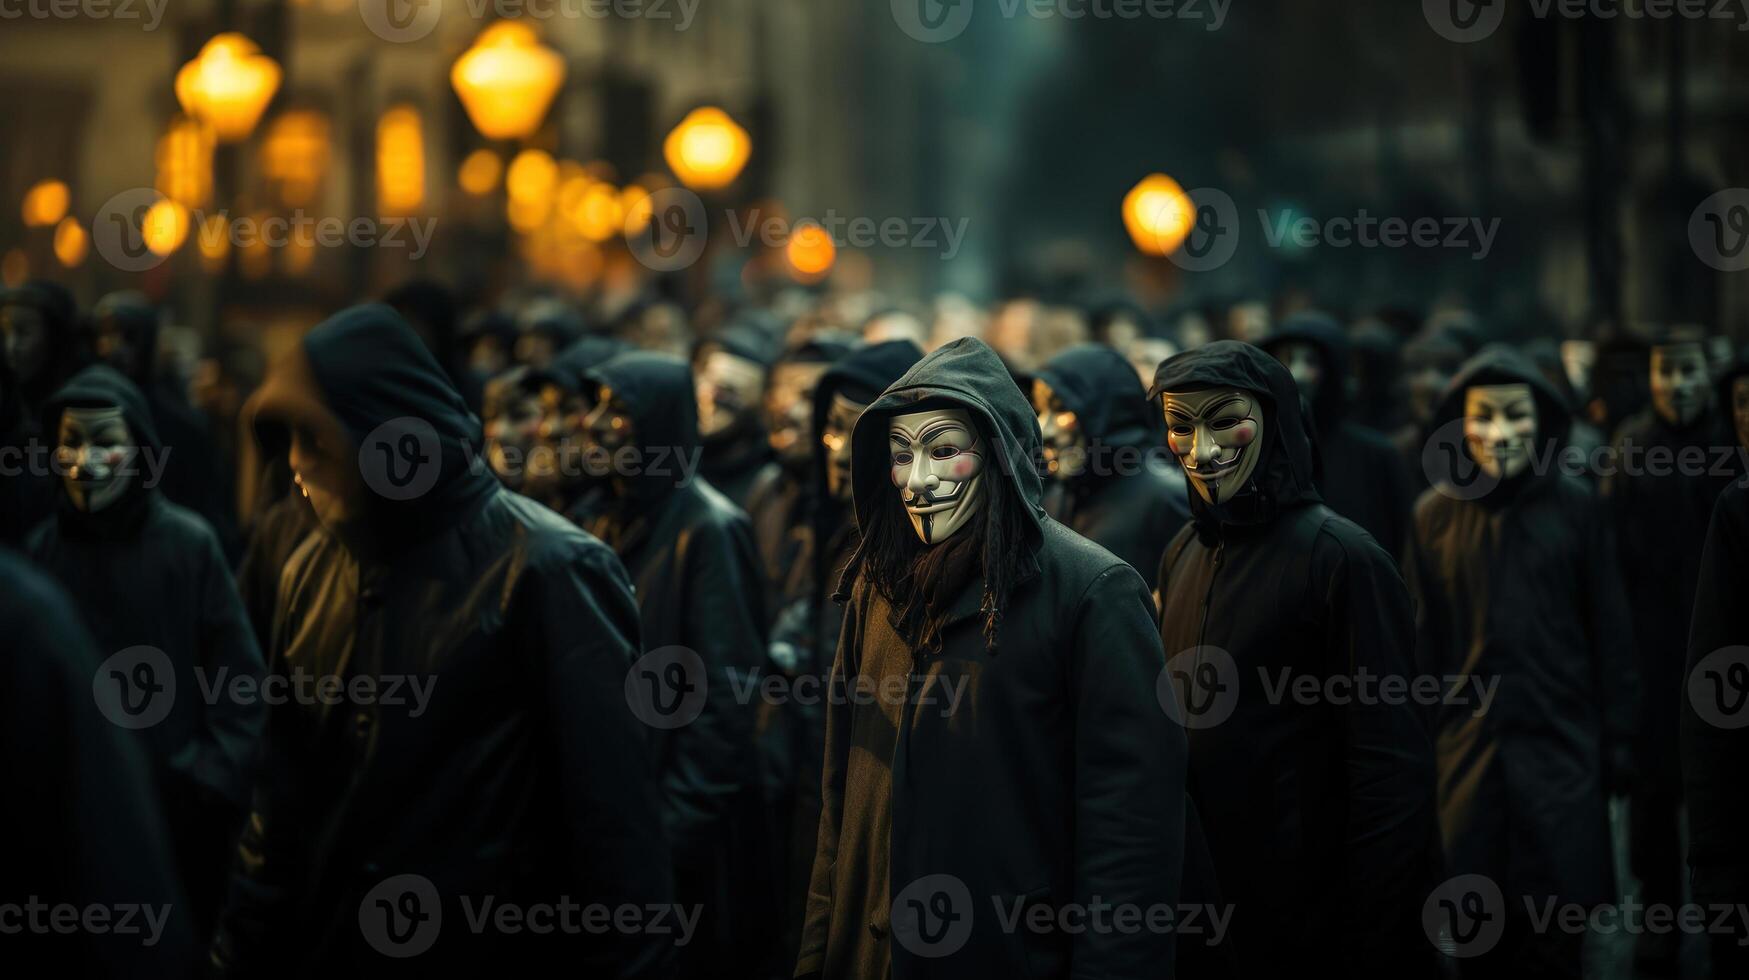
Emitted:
pixel 1208 598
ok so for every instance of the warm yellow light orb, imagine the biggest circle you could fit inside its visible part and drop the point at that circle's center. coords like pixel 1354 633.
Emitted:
pixel 71 242
pixel 707 150
pixel 400 161
pixel 810 252
pixel 507 80
pixel 228 85
pixel 1158 214
pixel 46 203
pixel 479 173
pixel 165 226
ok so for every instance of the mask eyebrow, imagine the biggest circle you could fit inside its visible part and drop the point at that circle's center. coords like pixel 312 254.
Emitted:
pixel 941 427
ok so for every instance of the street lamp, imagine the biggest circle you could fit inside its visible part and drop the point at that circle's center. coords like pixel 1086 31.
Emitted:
pixel 1157 213
pixel 707 150
pixel 507 80
pixel 228 85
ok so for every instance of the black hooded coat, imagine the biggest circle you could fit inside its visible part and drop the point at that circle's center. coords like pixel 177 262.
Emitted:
pixel 519 773
pixel 145 572
pixel 1130 499
pixel 1362 471
pixel 1516 584
pixel 1319 813
pixel 691 558
pixel 1039 774
pixel 27 486
pixel 735 460
pixel 1712 749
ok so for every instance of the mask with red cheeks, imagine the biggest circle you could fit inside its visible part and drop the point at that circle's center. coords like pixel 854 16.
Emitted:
pixel 938 468
pixel 1216 433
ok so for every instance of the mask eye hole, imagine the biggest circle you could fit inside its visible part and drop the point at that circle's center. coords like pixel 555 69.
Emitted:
pixel 1221 425
pixel 944 452
pixel 901 459
pixel 1181 429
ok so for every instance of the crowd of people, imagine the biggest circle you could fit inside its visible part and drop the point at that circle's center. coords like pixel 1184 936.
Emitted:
pixel 818 637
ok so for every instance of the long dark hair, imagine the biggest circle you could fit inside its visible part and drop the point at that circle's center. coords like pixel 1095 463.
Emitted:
pixel 897 564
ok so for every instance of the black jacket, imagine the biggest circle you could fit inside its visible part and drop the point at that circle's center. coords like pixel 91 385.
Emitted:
pixel 1130 500
pixel 1660 514
pixel 1319 814
pixel 27 484
pixel 1361 475
pixel 1518 587
pixel 1715 743
pixel 691 559
pixel 1053 780
pixel 520 774
pixel 87 832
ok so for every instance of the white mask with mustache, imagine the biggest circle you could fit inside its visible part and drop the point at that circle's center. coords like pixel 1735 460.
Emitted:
pixel 938 466
pixel 96 454
pixel 1216 434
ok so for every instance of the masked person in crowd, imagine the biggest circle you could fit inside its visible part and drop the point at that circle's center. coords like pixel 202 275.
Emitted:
pixel 86 830
pixel 195 475
pixel 730 370
pixel 38 331
pixel 810 624
pixel 992 662
pixel 510 418
pixel 1429 361
pixel 1715 702
pixel 691 557
pixel 485 348
pixel 452 728
pixel 1361 476
pixel 27 483
pixel 1318 806
pixel 1661 492
pixel 1102 441
pixel 544 328
pixel 152 584
pixel 555 470
pixel 1513 571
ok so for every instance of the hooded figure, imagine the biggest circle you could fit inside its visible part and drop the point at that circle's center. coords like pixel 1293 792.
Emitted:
pixel 731 369
pixel 1715 738
pixel 810 622
pixel 1319 810
pixel 993 739
pixel 1661 494
pixel 553 468
pixel 1361 476
pixel 195 474
pixel 153 585
pixel 85 824
pixel 39 339
pixel 473 739
pixel 1514 576
pixel 691 558
pixel 1102 444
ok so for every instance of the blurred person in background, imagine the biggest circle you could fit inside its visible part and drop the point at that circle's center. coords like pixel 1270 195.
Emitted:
pixel 1103 456
pixel 1514 577
pixel 1429 362
pixel 478 738
pixel 1713 741
pixel 1661 493
pixel 1360 476
pixel 1375 371
pixel 27 482
pixel 486 346
pixel 153 586
pixel 554 469
pixel 39 332
pixel 893 323
pixel 696 572
pixel 731 369
pixel 546 326
pixel 126 329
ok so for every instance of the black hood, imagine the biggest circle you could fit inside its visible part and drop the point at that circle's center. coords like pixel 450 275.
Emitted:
pixel 135 319
pixel 968 374
pixel 1285 476
pixel 367 368
pixel 55 305
pixel 1323 332
pixel 750 335
pixel 657 388
pixel 862 375
pixel 1100 386
pixel 1498 364
pixel 100 386
pixel 569 369
pixel 1738 368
